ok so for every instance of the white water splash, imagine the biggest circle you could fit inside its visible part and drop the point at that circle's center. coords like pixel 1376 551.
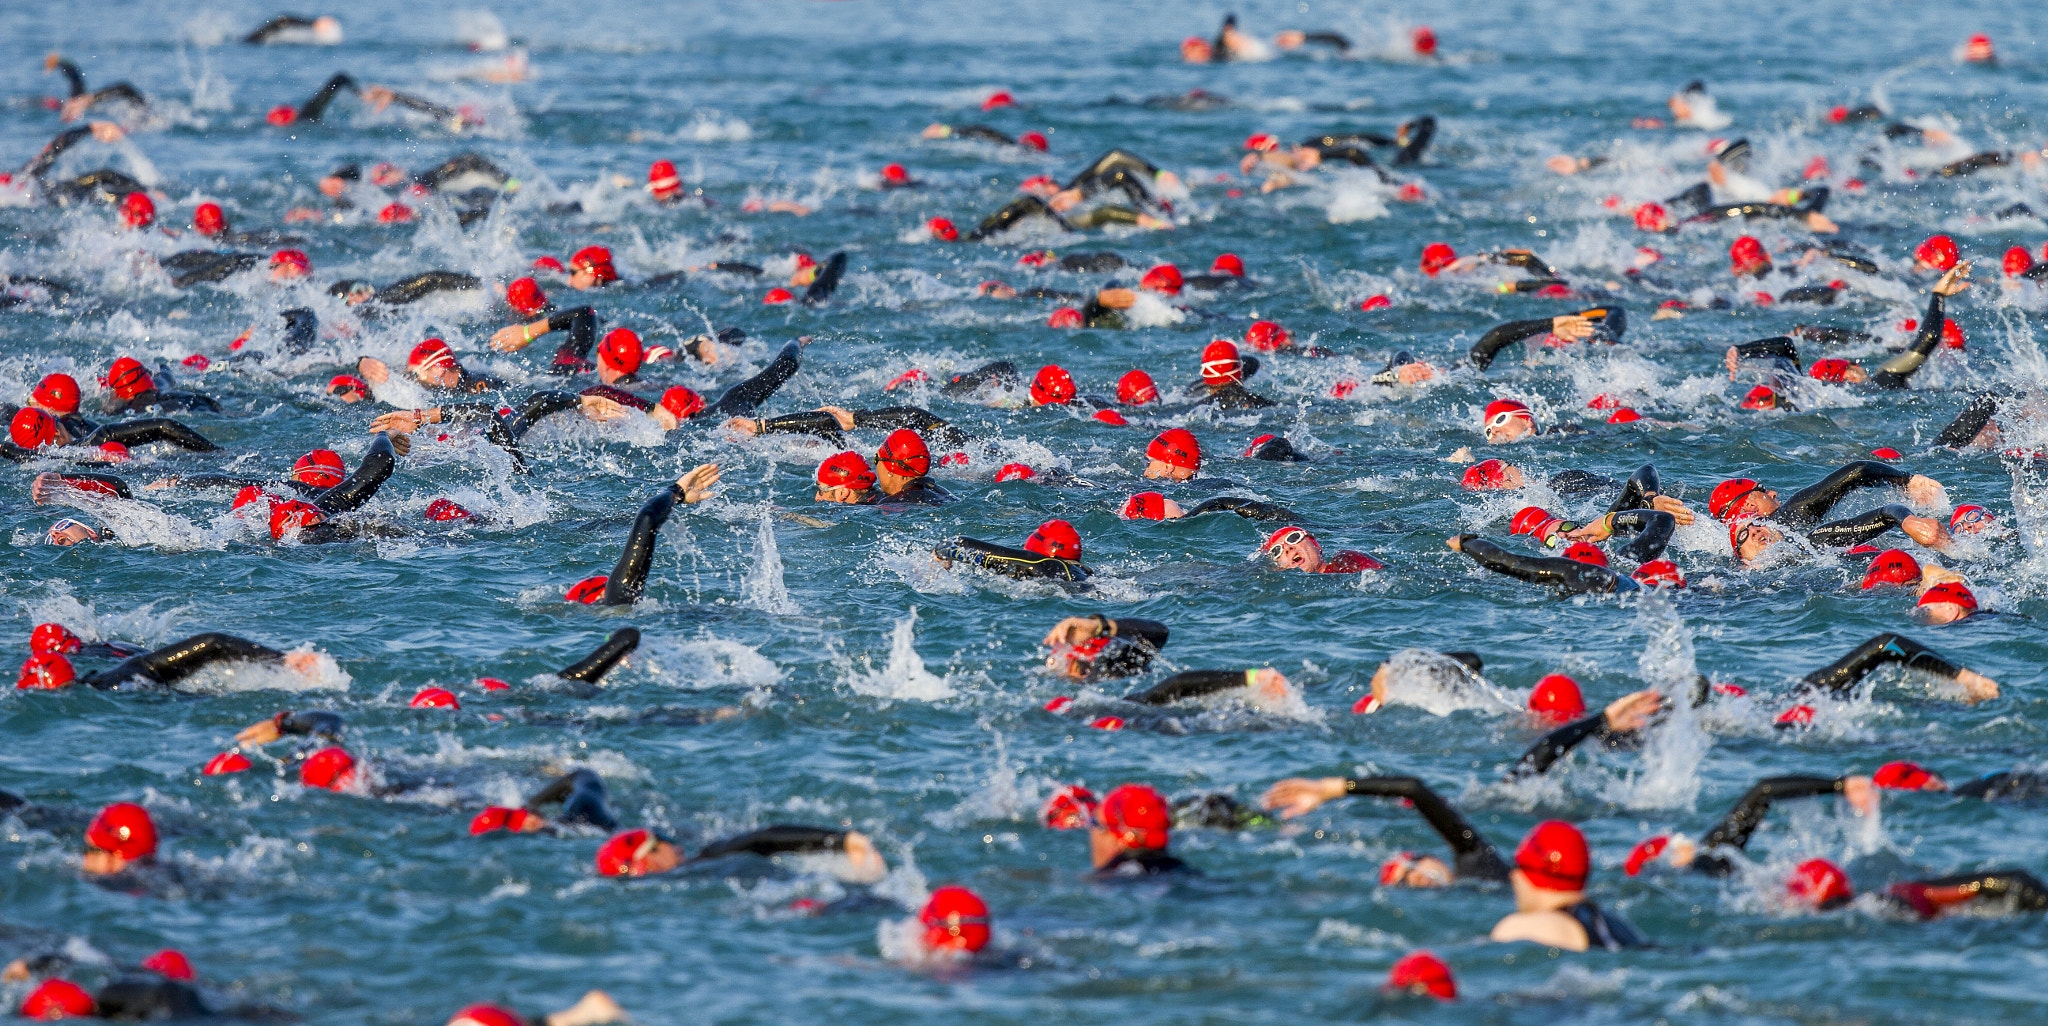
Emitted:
pixel 763 587
pixel 1672 750
pixel 904 676
pixel 1440 686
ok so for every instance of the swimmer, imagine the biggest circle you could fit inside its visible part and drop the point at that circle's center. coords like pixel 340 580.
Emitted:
pixel 628 579
pixel 166 666
pixel 1092 648
pixel 1292 548
pixel 1129 835
pixel 1473 856
pixel 1053 552
pixel 644 853
pixel 1551 907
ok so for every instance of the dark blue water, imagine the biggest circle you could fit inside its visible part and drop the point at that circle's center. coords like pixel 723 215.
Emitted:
pixel 887 695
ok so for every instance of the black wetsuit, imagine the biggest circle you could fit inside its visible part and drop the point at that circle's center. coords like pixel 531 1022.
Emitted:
pixel 1608 325
pixel 1558 743
pixel 309 723
pixel 1842 675
pixel 1129 651
pixel 197 266
pixel 629 575
pixel 1474 857
pixel 1250 509
pixel 1017 212
pixel 130 433
pixel 583 799
pixel 119 91
pixel 887 418
pixel 1189 684
pixel 2005 785
pixel 1606 931
pixel 1412 138
pixel 316 107
pixel 1232 395
pixel 1803 511
pixel 162 399
pixel 1735 829
pixel 179 660
pixel 1896 371
pixel 591 668
pixel 1565 575
pixel 780 839
pixel 422 285
pixel 1969 423
pixel 1810 202
pixel 275 27
pixel 2021 890
pixel 138 1000
pixel 827 282
pixel 1139 862
pixel 1022 564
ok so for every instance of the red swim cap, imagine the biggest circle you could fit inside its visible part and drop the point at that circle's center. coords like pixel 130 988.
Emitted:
pixel 1055 538
pixel 1267 336
pixel 526 297
pixel 1534 521
pixel 1436 256
pixel 662 179
pixel 2017 261
pixel 287 517
pixel 1038 257
pixel 428 355
pixel 1486 474
pixel 1069 808
pixel 1951 334
pixel 498 817
pixel 904 454
pixel 1111 417
pixel 321 468
pixel 620 350
pixel 1797 716
pixel 1652 218
pixel 598 261
pixel 447 509
pixel 1723 503
pixel 1747 256
pixel 209 220
pixel 1963 515
pixel 846 470
pixel 1228 263
pixel 57 999
pixel 52 637
pixel 1819 883
pixel 249 494
pixel 1659 573
pixel 1902 776
pixel 942 229
pixel 394 213
pixel 1262 142
pixel 1554 857
pixel 1939 251
pixel 777 296
pixel 1137 816
pixel 1624 416
pixel 137 210
pixel 1556 698
pixel 224 763
pixel 57 393
pixel 435 698
pixel 1425 41
pixel 1421 972
pixel 1064 317
pixel 1014 472
pixel 486 1015
pixel 1220 363
pixel 955 919
pixel 127 378
pixel 1163 278
pixel 289 263
pixel 123 828
pixel 909 377
pixel 1500 411
pixel 587 590
pixel 1892 566
pixel 1979 48
pixel 1641 855
pixel 1949 593
pixel 1144 506
pixel 45 671
pixel 346 384
pixel 682 402
pixel 170 964
pixel 1035 140
pixel 1762 397
pixel 281 115
pixel 1375 303
pixel 331 768
pixel 32 429
pixel 999 98
pixel 1135 388
pixel 1585 552
pixel 625 854
pixel 1828 370
pixel 1052 386
pixel 895 173
pixel 548 263
pixel 1176 447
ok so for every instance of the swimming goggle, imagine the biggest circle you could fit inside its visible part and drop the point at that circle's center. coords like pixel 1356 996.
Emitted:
pixel 1973 516
pixel 57 536
pixel 1293 536
pixel 1501 419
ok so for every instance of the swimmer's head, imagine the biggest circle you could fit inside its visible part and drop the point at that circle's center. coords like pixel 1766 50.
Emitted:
pixel 1436 256
pixel 321 468
pixel 1196 50
pixel 209 220
pixel 1553 857
pixel 1492 474
pixel 70 532
pixel 1175 455
pixel 349 388
pixel 1506 420
pixel 1069 808
pixel 1892 566
pixel 330 768
pixel 526 297
pixel 45 671
pixel 844 477
pixel 1293 548
pixel 637 853
pixel 1907 776
pixel 289 264
pixel 588 590
pixel 904 454
pixel 138 210
pixel 1746 257
pixel 955 919
pixel 433 363
pixel 1052 386
pixel 1164 278
pixel 1819 884
pixel 1056 539
pixel 1971 519
pixel 1135 388
pixel 1947 602
pixel 1221 364
pixel 591 267
pixel 1556 698
pixel 1135 817
pixel 1937 253
pixel 1750 536
pixel 56 393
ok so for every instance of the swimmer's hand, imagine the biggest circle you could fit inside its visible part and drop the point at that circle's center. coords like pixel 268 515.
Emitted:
pixel 373 370
pixel 603 410
pixel 1457 541
pixel 1926 491
pixel 400 444
pixel 514 337
pixel 1861 796
pixel 1925 530
pixel 841 414
pixel 44 487
pixel 1565 165
pixel 1597 531
pixel 1633 711
pixel 1076 629
pixel 696 484
pixel 1679 511
pixel 1117 299
pixel 1571 326
pixel 1463 455
pixel 404 422
pixel 1298 796
pixel 1977 687
pixel 744 426
pixel 1955 280
pixel 867 863
pixel 305 664
pixel 594 1009
pixel 1269 683
pixel 1414 373
pixel 107 131
pixel 262 732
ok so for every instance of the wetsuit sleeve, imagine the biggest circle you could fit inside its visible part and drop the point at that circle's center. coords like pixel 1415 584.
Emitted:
pixel 1150 633
pixel 1189 684
pixel 1014 212
pixel 922 421
pixel 41 164
pixel 816 422
pixel 1808 505
pixel 1420 132
pixel 152 429
pixel 1641 487
pixel 419 286
pixel 1735 829
pixel 1556 745
pixel 424 106
pixel 1860 528
pixel 1002 372
pixel 1250 509
pixel 1491 343
pixel 582 796
pixel 740 399
pixel 778 840
pixel 1653 528
pixel 1964 428
pixel 370 475
pixel 620 396
pixel 1895 371
pixel 175 662
pixel 540 405
pixel 629 575
pixel 1475 857
pixel 1022 564
pixel 592 668
pixel 1844 673
pixel 148 1000
pixel 1551 571
pixel 98 484
pixel 72 75
pixel 312 723
pixel 315 108
pixel 827 281
pixel 2021 888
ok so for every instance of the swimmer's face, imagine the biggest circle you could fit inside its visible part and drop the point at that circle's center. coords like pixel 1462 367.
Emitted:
pixel 1751 540
pixel 1196 51
pixel 439 375
pixel 1297 551
pixel 846 495
pixel 332 186
pixel 1427 871
pixel 1164 471
pixel 1973 521
pixel 71 532
pixel 1679 107
pixel 359 295
pixel 581 279
pixel 1942 612
pixel 1506 428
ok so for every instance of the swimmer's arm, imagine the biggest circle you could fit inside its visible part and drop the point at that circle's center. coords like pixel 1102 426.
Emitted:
pixel 1250 509
pixel 1475 857
pixel 1735 829
pixel 592 668
pixel 1860 528
pixel 1811 503
pixel 1556 745
pixel 182 659
pixel 777 840
pixel 1490 344
pixel 1190 684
